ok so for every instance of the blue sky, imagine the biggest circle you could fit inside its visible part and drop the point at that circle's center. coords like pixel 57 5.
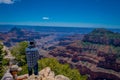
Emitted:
pixel 76 13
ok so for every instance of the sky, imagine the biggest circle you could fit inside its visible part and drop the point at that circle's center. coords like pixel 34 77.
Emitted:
pixel 68 13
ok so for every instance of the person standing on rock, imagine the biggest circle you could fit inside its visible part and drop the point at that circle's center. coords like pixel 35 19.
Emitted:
pixel 32 56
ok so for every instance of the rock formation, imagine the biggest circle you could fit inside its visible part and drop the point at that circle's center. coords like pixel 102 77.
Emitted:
pixel 103 36
pixel 46 74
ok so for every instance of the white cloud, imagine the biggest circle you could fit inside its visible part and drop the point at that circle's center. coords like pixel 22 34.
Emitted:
pixel 7 1
pixel 45 18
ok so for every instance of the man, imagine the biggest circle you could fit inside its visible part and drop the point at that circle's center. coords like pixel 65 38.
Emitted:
pixel 32 55
pixel 11 73
pixel 14 69
pixel 7 76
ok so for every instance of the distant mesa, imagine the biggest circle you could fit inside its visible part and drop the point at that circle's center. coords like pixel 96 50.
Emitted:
pixel 102 31
pixel 15 29
pixel 103 36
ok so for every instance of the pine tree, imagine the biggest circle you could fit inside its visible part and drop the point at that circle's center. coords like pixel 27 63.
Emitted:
pixel 1 58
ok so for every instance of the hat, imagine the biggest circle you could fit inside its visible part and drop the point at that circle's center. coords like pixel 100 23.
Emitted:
pixel 32 43
pixel 15 68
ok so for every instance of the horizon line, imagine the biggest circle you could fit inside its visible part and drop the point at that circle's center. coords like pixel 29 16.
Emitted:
pixel 66 25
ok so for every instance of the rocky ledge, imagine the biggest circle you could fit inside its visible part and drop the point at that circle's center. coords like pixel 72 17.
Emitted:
pixel 45 74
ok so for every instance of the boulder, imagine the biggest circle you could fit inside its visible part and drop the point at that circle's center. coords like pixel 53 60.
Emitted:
pixel 61 77
pixel 46 72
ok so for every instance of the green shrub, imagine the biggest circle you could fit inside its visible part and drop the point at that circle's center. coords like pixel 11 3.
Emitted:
pixel 5 62
pixel 24 70
pixel 19 52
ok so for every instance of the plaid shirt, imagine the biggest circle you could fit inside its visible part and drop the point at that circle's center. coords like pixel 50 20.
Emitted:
pixel 32 55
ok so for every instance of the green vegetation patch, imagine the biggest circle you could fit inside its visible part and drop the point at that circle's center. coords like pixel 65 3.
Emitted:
pixel 1 58
pixel 3 62
pixel 19 52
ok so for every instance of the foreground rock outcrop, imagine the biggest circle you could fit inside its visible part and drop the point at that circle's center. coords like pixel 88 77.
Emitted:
pixel 46 74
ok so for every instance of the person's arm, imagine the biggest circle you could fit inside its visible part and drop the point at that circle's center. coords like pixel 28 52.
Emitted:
pixel 38 54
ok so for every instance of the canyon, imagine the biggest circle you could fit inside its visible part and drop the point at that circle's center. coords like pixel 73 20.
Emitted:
pixel 92 54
